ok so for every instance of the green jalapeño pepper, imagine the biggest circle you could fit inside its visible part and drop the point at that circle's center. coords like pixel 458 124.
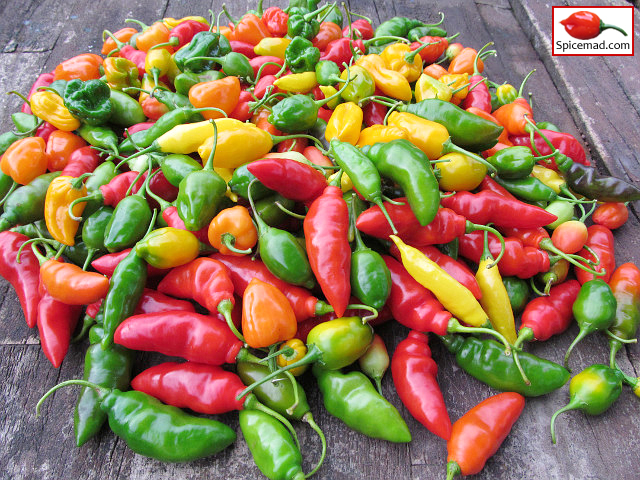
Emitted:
pixel 513 162
pixel 125 111
pixel 99 136
pixel 26 124
pixel 239 184
pixel 155 430
pixel 26 203
pixel 353 399
pixel 486 361
pixel 409 167
pixel 200 192
pixel 593 391
pixel 301 55
pixel 397 27
pixel 203 44
pixel 467 130
pixel 528 188
pixel 6 140
pixel 93 230
pixel 176 166
pixel 109 368
pixel 88 101
pixel 272 447
pixel 518 291
pixel 269 211
pixel 233 63
pixel 594 310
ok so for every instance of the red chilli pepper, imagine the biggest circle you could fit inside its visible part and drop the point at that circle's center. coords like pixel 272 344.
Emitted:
pixel 82 160
pixel 294 180
pixel 584 25
pixel 172 217
pixel 136 56
pixel 361 29
pixel 479 96
pixel 243 269
pixel 478 434
pixel 601 241
pixel 564 142
pixel 24 277
pixel 414 376
pixel 611 215
pixel 188 335
pixel 340 50
pixel 153 301
pixel 374 113
pixel 106 264
pixel 276 21
pixel 114 191
pixel 56 323
pixel 326 229
pixel 258 61
pixel 243 47
pixel 185 31
pixel 199 387
pixel 43 80
pixel 489 183
pixel 45 130
pixel 489 207
pixel 551 315
pixel 413 305
pixel 431 53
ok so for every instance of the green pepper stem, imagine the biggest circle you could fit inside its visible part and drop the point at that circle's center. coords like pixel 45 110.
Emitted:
pixel 209 164
pixel 453 469
pixel 360 246
pixel 289 212
pixel 263 228
pixel 173 42
pixel 614 347
pixel 448 146
pixel 524 335
pixel 454 326
pixel 521 89
pixel 102 391
pixel 224 308
pixel 572 405
pixel 324 101
pixel 161 201
pixel 390 111
pixel 361 306
pixel 26 100
pixel 604 26
pixel 621 340
pixel 547 244
pixel 314 354
pixel 229 241
pixel 87 323
pixel 252 403
pixel 475 60
pixel 144 26
pixel 41 258
pixel 13 187
pixel 260 70
pixel 322 308
pixel 580 336
pixel 391 38
pixel 308 418
pixel 470 227
pixel 379 203
pixel 516 359
pixel 535 288
pixel 90 254
pixel 226 12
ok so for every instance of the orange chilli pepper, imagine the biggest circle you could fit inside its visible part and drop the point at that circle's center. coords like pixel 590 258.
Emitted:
pixel 85 66
pixel 513 116
pixel 25 160
pixel 153 108
pixel 232 231
pixel 250 29
pixel 435 71
pixel 123 35
pixel 152 35
pixel 328 32
pixel 223 94
pixel 463 62
pixel 60 146
pixel 267 315
pixel 70 284
pixel 261 120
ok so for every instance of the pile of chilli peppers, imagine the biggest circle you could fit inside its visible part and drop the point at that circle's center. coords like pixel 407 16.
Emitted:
pixel 255 197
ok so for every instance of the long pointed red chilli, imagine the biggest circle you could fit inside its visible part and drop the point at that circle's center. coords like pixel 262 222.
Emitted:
pixel 56 323
pixel 291 179
pixel 326 228
pixel 24 277
pixel 414 376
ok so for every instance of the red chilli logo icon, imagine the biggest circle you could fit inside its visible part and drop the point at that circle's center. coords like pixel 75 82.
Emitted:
pixel 585 25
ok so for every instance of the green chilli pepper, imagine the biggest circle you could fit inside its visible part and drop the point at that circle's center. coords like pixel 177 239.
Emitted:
pixel 594 310
pixel 593 391
pixel 334 16
pixel 353 399
pixel 176 166
pixel 467 130
pixel 125 289
pixel 172 100
pixel 370 277
pixel 200 192
pixel 528 188
pixel 301 55
pixel 303 24
pixel 99 136
pixel 233 63
pixel 513 162
pixel 125 111
pixel 6 140
pixel 361 84
pixel 327 72
pixel 203 44
pixel 408 166
pixel 518 291
pixel 397 27
pixel 100 176
pixel 415 34
pixel 155 430
pixel 362 172
pixel 239 184
pixel 486 361
pixel 26 124
pixel 548 126
pixel 26 203
pixel 7 185
pixel 93 230
pixel 109 368
pixel 184 81
pixel 270 212
pixel 78 253
pixel 272 447
pixel 562 209
pixel 88 100
pixel 33 230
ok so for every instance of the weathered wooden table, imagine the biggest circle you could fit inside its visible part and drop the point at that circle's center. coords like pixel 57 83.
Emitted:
pixel 595 98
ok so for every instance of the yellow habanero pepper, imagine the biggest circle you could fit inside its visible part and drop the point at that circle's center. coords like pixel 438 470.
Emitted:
pixel 60 193
pixel 345 123
pixel 550 178
pixel 157 63
pixel 238 143
pixel 390 82
pixel 495 299
pixel 168 247
pixel 428 136
pixel 400 58
pixel 297 82
pixel 272 46
pixel 459 172
pixel 429 87
pixel 456 81
pixel 299 351
pixel 453 296
pixel 49 106
pixel 379 133
pixel 329 91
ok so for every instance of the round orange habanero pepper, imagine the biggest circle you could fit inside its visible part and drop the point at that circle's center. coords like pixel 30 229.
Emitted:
pixel 267 315
pixel 25 160
pixel 60 146
pixel 223 94
pixel 85 66
pixel 232 231
pixel 123 35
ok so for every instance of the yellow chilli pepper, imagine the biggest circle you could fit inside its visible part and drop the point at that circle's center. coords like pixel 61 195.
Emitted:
pixel 345 182
pixel 49 106
pixel 299 351
pixel 400 58
pixel 345 123
pixel 455 81
pixel 238 143
pixel 390 82
pixel 60 193
pixel 379 133
pixel 226 174
pixel 297 82
pixel 550 178
pixel 453 296
pixel 495 299
pixel 172 22
pixel 168 247
pixel 459 172
pixel 328 91
pixel 429 87
pixel 428 136
pixel 157 63
pixel 272 46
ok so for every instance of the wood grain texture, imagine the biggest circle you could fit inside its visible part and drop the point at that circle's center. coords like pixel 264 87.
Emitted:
pixel 595 100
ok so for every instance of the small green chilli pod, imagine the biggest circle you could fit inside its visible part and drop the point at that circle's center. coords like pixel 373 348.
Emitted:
pixel 156 430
